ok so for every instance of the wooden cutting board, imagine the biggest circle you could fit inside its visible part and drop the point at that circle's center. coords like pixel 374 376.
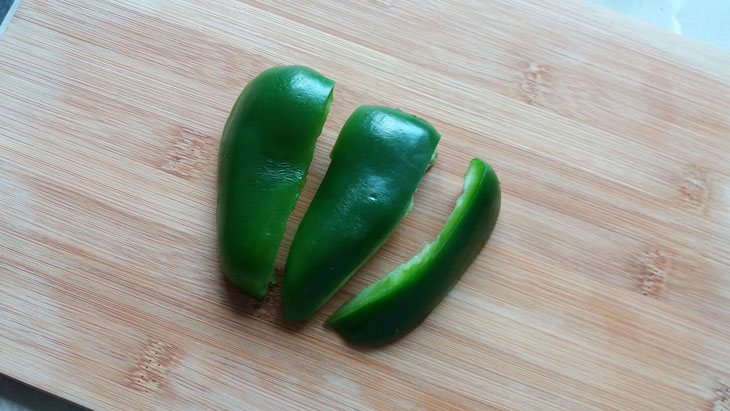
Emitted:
pixel 606 283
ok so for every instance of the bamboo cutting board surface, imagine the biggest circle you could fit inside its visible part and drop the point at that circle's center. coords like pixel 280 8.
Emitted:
pixel 606 283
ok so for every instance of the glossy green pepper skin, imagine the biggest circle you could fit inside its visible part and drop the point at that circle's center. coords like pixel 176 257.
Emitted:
pixel 378 160
pixel 396 304
pixel 265 152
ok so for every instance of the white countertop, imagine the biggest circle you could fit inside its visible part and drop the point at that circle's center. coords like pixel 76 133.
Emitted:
pixel 705 20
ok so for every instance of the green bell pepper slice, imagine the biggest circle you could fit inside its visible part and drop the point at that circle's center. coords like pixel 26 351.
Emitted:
pixel 400 301
pixel 265 152
pixel 378 160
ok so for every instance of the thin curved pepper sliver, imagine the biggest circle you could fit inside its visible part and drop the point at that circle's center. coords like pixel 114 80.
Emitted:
pixel 400 301
pixel 378 160
pixel 265 152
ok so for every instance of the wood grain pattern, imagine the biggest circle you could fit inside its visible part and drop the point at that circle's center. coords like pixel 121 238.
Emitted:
pixel 605 285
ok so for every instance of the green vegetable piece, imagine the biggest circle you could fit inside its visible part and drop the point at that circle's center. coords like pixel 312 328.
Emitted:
pixel 267 146
pixel 378 160
pixel 400 301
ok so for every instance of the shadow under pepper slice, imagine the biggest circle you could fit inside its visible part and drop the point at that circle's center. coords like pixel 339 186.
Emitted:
pixel 400 301
pixel 265 152
pixel 378 160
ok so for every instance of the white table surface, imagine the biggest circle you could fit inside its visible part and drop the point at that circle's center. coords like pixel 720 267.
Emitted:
pixel 705 20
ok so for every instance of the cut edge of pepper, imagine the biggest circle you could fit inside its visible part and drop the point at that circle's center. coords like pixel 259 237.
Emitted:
pixel 434 156
pixel 327 104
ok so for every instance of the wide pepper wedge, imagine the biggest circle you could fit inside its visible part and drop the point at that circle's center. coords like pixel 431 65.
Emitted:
pixel 400 301
pixel 378 160
pixel 265 152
